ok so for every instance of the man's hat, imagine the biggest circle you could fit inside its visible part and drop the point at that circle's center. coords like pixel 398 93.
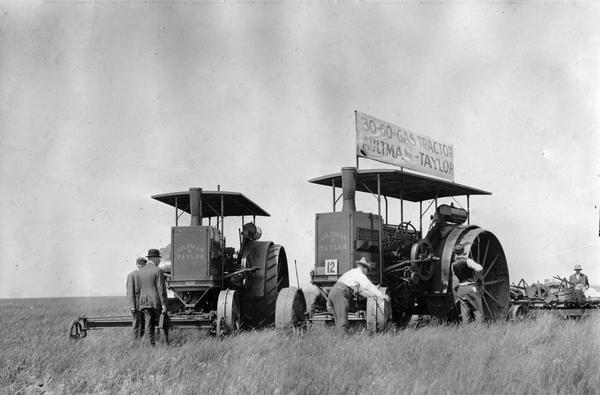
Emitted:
pixel 459 249
pixel 153 253
pixel 141 261
pixel 363 261
pixel 577 267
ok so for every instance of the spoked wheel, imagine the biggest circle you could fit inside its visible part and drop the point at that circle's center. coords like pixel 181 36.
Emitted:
pixel 407 228
pixel 517 312
pixel 228 313
pixel 76 330
pixel 484 248
pixel 290 310
pixel 420 251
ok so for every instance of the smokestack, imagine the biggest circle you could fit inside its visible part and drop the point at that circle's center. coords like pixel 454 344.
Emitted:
pixel 196 206
pixel 348 188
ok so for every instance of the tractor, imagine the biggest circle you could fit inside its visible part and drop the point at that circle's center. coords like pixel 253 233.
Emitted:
pixel 215 287
pixel 412 266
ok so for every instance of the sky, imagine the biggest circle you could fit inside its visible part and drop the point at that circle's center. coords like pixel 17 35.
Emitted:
pixel 105 103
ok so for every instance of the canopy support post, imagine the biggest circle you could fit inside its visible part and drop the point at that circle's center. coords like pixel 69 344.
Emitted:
pixel 468 210
pixel 386 210
pixel 222 242
pixel 421 218
pixel 333 187
pixel 380 229
pixel 401 208
pixel 176 212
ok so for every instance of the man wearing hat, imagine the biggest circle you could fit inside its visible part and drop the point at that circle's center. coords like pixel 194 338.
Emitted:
pixel 579 279
pixel 353 282
pixel 154 256
pixel 153 293
pixel 133 296
pixel 469 294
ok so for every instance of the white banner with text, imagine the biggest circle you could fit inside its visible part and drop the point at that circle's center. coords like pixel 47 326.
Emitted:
pixel 388 143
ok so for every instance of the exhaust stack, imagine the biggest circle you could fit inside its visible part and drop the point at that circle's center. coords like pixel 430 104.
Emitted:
pixel 196 206
pixel 349 188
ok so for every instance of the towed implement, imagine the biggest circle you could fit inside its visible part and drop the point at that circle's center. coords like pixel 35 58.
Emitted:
pixel 412 266
pixel 216 287
pixel 560 297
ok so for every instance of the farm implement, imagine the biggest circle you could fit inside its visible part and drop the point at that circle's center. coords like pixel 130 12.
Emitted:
pixel 216 287
pixel 560 297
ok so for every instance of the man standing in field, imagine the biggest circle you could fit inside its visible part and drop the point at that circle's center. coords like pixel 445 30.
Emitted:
pixel 469 296
pixel 133 296
pixel 578 279
pixel 353 282
pixel 153 293
pixel 154 256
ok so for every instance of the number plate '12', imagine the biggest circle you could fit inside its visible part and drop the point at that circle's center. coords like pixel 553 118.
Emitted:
pixel 331 266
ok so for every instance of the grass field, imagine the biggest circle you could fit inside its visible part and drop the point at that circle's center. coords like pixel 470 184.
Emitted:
pixel 542 356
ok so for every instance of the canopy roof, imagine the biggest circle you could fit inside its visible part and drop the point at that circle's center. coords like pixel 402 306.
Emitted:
pixel 401 185
pixel 234 203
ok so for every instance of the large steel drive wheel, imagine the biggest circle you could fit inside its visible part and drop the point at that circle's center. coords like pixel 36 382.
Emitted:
pixel 260 312
pixel 228 312
pixel 290 309
pixel 484 248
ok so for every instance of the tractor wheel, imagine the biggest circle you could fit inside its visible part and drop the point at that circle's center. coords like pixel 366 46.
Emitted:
pixel 517 312
pixel 484 248
pixel 259 312
pixel 228 313
pixel 378 314
pixel 76 331
pixel 290 309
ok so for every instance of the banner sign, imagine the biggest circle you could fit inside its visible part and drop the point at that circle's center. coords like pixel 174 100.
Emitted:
pixel 387 143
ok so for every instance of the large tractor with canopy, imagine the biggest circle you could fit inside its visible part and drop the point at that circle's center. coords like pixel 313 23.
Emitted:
pixel 216 287
pixel 413 266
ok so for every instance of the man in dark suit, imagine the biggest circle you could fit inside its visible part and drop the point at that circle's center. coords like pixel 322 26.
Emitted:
pixel 579 279
pixel 153 294
pixel 133 296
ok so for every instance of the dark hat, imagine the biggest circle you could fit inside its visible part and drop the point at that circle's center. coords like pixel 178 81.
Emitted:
pixel 459 249
pixel 153 253
pixel 141 261
pixel 363 261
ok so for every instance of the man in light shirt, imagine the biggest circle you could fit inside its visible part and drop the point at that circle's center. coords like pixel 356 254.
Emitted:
pixel 353 282
pixel 579 279
pixel 469 295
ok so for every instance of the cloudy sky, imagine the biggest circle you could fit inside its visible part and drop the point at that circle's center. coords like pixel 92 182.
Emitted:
pixel 103 104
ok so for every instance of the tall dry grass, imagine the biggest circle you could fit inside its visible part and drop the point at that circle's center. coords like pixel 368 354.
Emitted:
pixel 545 356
